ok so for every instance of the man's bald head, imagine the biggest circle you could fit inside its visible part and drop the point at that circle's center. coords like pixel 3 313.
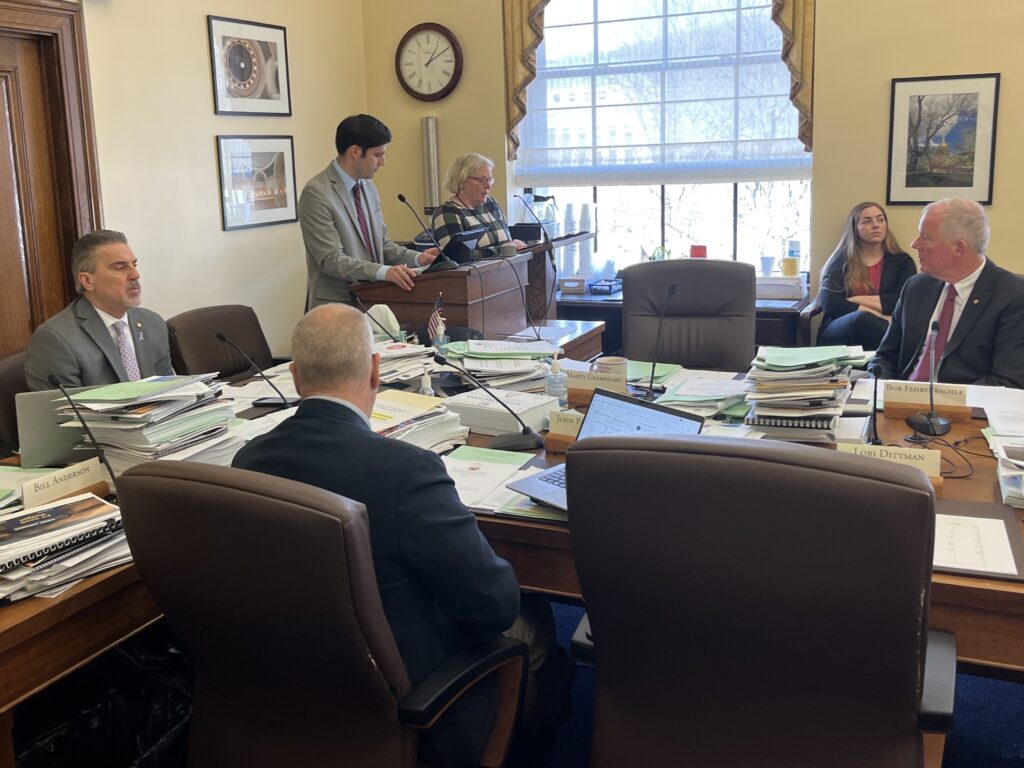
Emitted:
pixel 332 349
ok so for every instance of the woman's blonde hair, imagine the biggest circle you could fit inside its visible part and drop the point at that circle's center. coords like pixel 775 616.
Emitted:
pixel 462 168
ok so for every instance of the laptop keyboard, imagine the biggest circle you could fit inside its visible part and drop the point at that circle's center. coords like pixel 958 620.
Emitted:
pixel 556 477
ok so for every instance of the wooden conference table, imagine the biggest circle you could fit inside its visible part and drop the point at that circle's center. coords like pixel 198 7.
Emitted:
pixel 43 640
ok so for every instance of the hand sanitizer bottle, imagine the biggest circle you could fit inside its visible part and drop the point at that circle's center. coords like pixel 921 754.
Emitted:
pixel 557 383
pixel 441 340
pixel 425 386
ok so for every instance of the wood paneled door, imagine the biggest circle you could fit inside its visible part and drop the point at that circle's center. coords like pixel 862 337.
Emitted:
pixel 49 188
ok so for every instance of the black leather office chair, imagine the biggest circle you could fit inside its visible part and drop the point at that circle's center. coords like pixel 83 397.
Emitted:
pixel 195 347
pixel 709 322
pixel 270 585
pixel 757 603
pixel 12 381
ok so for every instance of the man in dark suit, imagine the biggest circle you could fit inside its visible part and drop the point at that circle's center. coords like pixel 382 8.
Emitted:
pixel 977 307
pixel 440 582
pixel 103 336
pixel 342 225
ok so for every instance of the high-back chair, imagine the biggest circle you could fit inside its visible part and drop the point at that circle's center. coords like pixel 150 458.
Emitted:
pixel 709 321
pixel 270 586
pixel 12 381
pixel 195 347
pixel 755 603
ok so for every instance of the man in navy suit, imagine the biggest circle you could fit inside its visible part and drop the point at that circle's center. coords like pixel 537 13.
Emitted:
pixel 977 307
pixel 440 582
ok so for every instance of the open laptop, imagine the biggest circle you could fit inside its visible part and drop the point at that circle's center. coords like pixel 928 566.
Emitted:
pixel 609 414
pixel 43 442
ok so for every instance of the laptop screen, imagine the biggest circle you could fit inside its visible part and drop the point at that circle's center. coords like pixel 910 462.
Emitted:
pixel 611 413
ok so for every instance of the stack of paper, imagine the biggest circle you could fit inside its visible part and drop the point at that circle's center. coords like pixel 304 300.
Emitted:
pixel 45 549
pixel 1005 435
pixel 400 361
pixel 639 372
pixel 481 413
pixel 417 419
pixel 480 474
pixel 782 288
pixel 705 396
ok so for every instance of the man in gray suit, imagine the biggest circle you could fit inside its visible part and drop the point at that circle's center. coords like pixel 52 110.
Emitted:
pixel 342 225
pixel 102 337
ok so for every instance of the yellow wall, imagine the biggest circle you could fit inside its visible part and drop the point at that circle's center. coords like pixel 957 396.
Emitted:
pixel 471 119
pixel 155 126
pixel 859 48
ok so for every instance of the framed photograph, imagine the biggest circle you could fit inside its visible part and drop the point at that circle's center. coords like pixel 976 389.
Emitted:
pixel 257 180
pixel 942 138
pixel 250 67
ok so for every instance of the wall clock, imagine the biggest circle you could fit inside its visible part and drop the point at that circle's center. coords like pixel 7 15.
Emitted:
pixel 428 62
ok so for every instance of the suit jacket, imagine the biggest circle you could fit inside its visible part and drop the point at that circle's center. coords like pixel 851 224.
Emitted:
pixel 987 345
pixel 76 346
pixel 335 254
pixel 897 268
pixel 440 582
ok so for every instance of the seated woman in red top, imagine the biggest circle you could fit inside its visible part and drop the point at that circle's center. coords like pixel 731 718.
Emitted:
pixel 862 280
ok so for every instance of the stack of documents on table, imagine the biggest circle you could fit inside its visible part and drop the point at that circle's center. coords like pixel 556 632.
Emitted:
pixel 480 474
pixel 481 413
pixel 1005 435
pixel 44 549
pixel 418 419
pixel 486 349
pixel 639 372
pixel 162 417
pixel 521 374
pixel 797 394
pixel 782 288
pixel 401 361
pixel 705 395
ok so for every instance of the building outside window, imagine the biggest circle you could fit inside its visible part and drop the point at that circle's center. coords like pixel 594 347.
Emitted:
pixel 671 121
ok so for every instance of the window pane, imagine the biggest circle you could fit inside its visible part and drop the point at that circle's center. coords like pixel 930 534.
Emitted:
pixel 767 118
pixel 630 219
pixel 758 32
pixel 706 34
pixel 699 214
pixel 567 46
pixel 761 78
pixel 699 121
pixel 690 6
pixel 629 40
pixel 608 10
pixel 565 92
pixel 628 87
pixel 559 12
pixel 692 83
pixel 770 214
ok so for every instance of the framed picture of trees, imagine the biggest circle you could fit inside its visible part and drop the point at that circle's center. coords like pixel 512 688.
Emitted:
pixel 942 138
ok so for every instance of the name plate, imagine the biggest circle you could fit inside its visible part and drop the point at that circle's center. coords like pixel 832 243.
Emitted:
pixel 565 423
pixel 916 393
pixel 62 482
pixel 926 460
pixel 615 382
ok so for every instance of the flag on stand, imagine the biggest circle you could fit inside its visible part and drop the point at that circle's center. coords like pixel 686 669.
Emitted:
pixel 435 323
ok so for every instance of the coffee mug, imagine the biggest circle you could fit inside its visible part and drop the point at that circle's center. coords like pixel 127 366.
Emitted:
pixel 610 364
pixel 698 251
pixel 507 250
pixel 789 266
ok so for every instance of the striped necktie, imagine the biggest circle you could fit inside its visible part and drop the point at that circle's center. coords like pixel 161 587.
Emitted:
pixel 357 196
pixel 124 346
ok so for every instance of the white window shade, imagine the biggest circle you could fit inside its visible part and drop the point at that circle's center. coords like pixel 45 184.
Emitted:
pixel 659 91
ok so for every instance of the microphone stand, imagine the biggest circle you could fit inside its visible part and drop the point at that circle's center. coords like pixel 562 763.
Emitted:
pixel 875 439
pixel 929 423
pixel 271 402
pixel 55 383
pixel 657 338
pixel 442 262
pixel 373 319
pixel 527 440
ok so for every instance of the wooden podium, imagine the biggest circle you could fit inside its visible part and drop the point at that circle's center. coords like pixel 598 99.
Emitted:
pixel 540 295
pixel 484 295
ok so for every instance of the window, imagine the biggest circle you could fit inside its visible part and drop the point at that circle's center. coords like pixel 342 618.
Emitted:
pixel 673 118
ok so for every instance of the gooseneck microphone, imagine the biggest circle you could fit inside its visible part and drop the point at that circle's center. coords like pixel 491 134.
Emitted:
pixel 929 423
pixel 536 218
pixel 657 337
pixel 272 402
pixel 442 262
pixel 527 440
pixel 55 383
pixel 374 320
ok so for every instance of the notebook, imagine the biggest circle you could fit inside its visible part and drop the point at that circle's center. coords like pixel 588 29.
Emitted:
pixel 610 413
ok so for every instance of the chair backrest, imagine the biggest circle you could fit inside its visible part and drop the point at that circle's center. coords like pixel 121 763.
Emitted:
pixel 270 586
pixel 709 322
pixel 751 602
pixel 12 381
pixel 195 347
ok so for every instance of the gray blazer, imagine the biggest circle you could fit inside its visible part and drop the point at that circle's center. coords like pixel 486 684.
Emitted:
pixel 76 346
pixel 335 254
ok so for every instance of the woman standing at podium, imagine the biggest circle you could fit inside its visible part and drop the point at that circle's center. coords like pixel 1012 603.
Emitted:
pixel 862 280
pixel 469 180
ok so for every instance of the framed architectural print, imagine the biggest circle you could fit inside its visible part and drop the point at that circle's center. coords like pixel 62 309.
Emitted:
pixel 942 138
pixel 257 180
pixel 250 67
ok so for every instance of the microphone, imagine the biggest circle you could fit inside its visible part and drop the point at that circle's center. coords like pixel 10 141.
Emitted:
pixel 929 423
pixel 55 383
pixel 442 262
pixel 875 439
pixel 543 229
pixel 657 338
pixel 285 402
pixel 527 440
pixel 374 320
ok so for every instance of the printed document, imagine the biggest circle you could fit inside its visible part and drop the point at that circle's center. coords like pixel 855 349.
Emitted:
pixel 973 543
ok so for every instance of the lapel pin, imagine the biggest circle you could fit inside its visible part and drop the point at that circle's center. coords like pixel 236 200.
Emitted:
pixel 976 301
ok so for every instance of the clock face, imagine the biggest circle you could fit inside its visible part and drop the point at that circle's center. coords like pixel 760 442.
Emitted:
pixel 428 62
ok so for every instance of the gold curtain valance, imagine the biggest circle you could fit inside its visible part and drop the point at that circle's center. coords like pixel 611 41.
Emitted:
pixel 524 30
pixel 796 20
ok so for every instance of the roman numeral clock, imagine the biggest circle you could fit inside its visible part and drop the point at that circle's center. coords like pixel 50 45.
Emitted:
pixel 428 62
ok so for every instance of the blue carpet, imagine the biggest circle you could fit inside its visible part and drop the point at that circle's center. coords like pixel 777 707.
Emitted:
pixel 988 733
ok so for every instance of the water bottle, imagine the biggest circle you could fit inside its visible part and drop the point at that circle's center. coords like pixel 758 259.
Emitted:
pixel 587 246
pixel 557 384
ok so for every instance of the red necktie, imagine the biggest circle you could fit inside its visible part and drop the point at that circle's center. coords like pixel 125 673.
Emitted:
pixel 945 320
pixel 357 195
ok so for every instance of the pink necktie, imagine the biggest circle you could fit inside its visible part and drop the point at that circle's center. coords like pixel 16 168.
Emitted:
pixel 124 346
pixel 357 195
pixel 923 366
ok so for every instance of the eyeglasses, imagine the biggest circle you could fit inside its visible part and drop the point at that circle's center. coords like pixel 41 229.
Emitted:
pixel 485 180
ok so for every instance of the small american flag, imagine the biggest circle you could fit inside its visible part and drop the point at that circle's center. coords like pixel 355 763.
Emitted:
pixel 435 323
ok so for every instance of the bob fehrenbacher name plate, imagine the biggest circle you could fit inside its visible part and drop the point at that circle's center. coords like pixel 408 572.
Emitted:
pixel 905 398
